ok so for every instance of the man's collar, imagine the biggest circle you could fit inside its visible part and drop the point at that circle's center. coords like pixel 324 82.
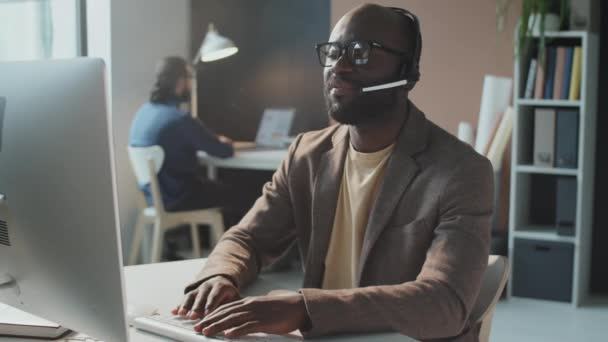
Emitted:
pixel 414 134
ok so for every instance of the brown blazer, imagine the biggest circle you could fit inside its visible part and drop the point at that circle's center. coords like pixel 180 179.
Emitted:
pixel 425 247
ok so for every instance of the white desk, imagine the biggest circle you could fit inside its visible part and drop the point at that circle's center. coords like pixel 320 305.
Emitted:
pixel 162 284
pixel 268 160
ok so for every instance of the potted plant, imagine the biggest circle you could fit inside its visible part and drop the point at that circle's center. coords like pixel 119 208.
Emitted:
pixel 537 16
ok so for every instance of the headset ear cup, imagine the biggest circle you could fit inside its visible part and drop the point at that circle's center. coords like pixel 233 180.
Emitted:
pixel 410 69
pixel 413 78
pixel 404 75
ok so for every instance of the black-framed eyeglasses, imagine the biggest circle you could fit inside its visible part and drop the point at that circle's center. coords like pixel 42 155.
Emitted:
pixel 357 52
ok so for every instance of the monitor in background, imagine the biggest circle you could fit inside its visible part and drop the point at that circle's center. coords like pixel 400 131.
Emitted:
pixel 274 127
pixel 273 131
pixel 60 253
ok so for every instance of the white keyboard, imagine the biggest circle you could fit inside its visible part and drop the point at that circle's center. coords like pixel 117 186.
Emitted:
pixel 182 329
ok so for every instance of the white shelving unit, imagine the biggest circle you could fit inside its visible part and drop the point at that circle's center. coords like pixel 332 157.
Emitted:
pixel 549 103
pixel 523 172
pixel 546 170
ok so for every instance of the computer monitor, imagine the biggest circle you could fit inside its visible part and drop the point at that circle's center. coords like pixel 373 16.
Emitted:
pixel 274 127
pixel 60 255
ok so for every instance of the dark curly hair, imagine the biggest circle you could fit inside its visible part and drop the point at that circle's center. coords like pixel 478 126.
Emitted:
pixel 168 71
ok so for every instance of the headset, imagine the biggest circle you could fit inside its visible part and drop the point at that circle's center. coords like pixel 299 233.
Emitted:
pixel 410 70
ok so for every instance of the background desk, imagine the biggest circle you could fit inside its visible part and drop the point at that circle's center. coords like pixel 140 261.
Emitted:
pixel 162 285
pixel 268 160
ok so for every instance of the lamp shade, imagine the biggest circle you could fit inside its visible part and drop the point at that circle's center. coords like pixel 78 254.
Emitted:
pixel 216 46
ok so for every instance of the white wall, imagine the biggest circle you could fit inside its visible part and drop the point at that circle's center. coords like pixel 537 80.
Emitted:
pixel 132 35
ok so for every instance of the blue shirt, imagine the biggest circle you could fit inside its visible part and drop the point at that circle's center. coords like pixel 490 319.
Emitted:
pixel 180 136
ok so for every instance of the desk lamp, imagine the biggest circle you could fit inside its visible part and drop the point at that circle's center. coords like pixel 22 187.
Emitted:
pixel 214 47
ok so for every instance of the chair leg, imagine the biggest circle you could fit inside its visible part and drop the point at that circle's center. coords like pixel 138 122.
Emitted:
pixel 157 241
pixel 137 239
pixel 196 242
pixel 217 228
pixel 486 327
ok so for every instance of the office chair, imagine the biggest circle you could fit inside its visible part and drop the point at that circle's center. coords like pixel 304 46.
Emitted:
pixel 494 280
pixel 146 163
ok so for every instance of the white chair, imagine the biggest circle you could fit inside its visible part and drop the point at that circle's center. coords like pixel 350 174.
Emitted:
pixel 494 280
pixel 146 163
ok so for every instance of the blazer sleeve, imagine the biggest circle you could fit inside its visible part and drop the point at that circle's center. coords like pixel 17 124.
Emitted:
pixel 438 303
pixel 263 235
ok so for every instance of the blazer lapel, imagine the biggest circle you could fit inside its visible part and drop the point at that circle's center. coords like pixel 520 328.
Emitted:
pixel 325 197
pixel 400 171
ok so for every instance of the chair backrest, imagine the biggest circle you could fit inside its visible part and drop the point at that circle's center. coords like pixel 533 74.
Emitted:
pixel 146 163
pixel 494 280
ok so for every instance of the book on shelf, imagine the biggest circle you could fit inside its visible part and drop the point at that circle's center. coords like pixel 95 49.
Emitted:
pixel 549 73
pixel 566 138
pixel 575 79
pixel 539 85
pixel 558 78
pixel 531 78
pixel 565 205
pixel 567 73
pixel 544 136
pixel 558 81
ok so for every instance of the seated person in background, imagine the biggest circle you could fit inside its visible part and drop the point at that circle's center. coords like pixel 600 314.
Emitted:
pixel 391 214
pixel 161 122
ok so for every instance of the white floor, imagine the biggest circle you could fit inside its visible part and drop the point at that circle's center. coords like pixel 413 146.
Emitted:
pixel 521 320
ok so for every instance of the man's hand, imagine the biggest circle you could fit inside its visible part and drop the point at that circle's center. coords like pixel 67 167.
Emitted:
pixel 225 139
pixel 269 314
pixel 209 295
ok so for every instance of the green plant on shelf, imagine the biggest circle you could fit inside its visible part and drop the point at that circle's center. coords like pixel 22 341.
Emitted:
pixel 531 12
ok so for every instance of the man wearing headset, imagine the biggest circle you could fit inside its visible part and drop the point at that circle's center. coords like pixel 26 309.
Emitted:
pixel 390 213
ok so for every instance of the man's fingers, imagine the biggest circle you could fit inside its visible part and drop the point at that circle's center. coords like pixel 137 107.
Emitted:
pixel 199 303
pixel 220 314
pixel 250 327
pixel 233 320
pixel 186 303
pixel 217 296
pixel 222 311
pixel 213 299
pixel 227 305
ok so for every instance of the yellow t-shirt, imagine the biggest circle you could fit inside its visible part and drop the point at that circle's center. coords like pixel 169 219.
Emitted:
pixel 360 182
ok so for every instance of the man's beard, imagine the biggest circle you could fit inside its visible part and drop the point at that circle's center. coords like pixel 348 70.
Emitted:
pixel 365 108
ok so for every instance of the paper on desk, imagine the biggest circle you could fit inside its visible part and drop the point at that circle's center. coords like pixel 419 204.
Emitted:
pixel 495 99
pixel 12 316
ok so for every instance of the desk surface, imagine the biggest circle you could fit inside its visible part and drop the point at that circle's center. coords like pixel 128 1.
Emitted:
pixel 268 160
pixel 165 283
pixel 162 286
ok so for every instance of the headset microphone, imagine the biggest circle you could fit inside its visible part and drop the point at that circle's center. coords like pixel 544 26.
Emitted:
pixel 385 86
